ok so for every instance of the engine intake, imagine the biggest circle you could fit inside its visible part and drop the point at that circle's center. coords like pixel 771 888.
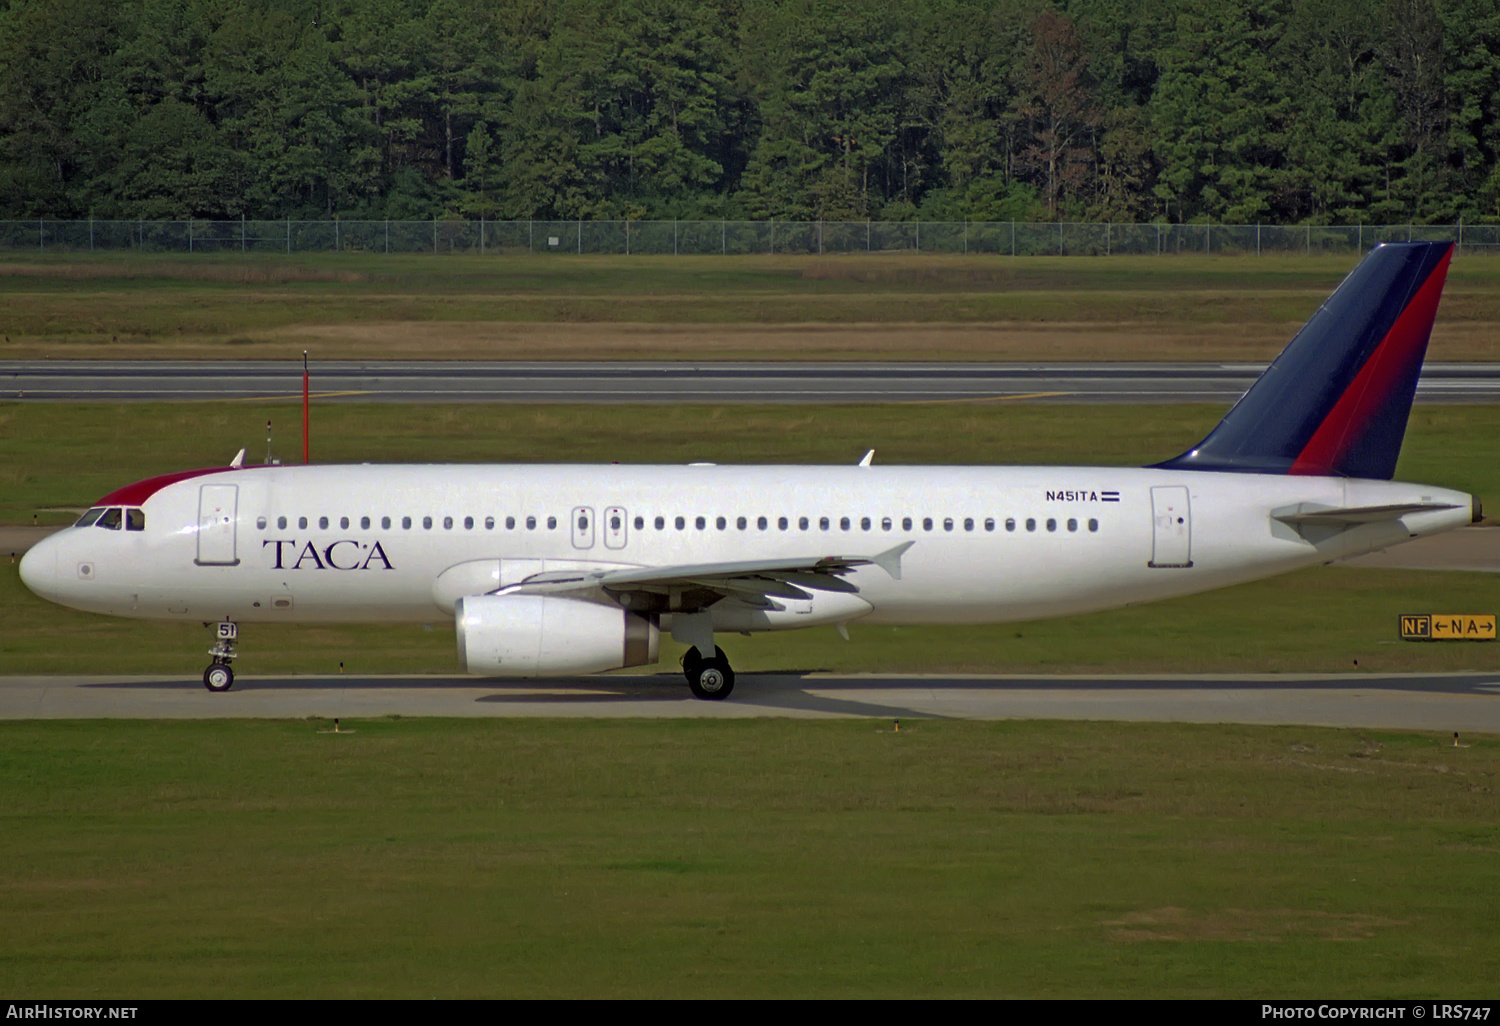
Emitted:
pixel 544 635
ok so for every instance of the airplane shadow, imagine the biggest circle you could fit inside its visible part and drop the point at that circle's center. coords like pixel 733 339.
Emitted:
pixel 808 691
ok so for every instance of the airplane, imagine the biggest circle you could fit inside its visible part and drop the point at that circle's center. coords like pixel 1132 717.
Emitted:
pixel 552 570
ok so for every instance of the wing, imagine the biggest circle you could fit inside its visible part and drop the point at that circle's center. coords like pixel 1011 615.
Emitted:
pixel 689 587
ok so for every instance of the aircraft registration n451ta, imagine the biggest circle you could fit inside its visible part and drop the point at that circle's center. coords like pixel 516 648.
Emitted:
pixel 568 569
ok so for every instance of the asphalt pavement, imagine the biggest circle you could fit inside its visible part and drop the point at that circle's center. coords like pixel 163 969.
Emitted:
pixel 1463 702
pixel 659 382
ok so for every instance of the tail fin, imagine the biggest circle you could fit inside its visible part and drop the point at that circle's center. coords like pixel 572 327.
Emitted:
pixel 1336 401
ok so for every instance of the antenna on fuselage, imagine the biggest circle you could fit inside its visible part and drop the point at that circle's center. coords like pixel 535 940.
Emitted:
pixel 304 406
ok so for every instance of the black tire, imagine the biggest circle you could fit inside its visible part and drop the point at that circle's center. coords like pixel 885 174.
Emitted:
pixel 218 678
pixel 692 662
pixel 714 680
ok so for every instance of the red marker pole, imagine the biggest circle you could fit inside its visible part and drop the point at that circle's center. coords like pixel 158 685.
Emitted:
pixel 304 406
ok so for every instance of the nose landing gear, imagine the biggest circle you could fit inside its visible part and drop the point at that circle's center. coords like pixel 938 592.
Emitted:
pixel 219 677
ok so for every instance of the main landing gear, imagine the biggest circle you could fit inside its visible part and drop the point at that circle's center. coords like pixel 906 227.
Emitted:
pixel 218 676
pixel 708 678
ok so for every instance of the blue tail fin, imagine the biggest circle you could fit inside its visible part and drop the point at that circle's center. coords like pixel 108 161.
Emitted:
pixel 1336 401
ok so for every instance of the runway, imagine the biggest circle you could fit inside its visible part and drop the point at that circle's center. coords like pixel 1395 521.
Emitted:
pixel 655 382
pixel 1463 702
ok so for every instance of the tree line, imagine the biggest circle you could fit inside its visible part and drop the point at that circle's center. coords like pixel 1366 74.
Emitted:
pixel 1229 111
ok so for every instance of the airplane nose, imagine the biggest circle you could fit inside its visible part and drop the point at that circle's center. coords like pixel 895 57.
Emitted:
pixel 39 567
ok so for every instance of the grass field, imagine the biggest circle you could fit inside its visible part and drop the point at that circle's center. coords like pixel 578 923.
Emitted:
pixel 66 455
pixel 430 858
pixel 932 307
pixel 758 858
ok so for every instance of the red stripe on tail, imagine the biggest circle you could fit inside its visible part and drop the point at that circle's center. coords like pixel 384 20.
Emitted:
pixel 1390 364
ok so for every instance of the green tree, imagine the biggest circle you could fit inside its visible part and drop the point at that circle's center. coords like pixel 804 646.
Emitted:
pixel 825 78
pixel 1218 112
pixel 54 59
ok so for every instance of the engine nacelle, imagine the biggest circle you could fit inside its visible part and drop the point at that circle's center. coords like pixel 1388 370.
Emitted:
pixel 544 635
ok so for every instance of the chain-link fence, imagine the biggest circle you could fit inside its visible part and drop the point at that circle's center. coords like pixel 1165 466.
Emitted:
pixel 1009 238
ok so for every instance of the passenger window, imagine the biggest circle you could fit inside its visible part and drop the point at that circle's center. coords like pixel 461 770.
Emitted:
pixel 135 520
pixel 1051 523
pixel 468 523
pixel 322 523
pixel 406 523
pixel 281 523
pixel 111 519
pixel 864 523
pixel 302 523
pixel 1031 523
pixel 551 523
pixel 426 523
pixel 447 523
pixel 968 523
pixel 762 523
pixel 1010 523
pixel 802 523
pixel 741 523
pixel 947 523
pixel 364 523
pixel 843 523
pixel 681 523
pixel 510 523
pixel 721 523
pixel 1093 524
pixel 344 523
pixel 640 523
pixel 260 523
pixel 823 523
pixel 661 523
pixel 989 523
pixel 88 518
pixel 885 523
pixel 385 523
pixel 531 523
pixel 583 523
pixel 781 523
pixel 906 523
pixel 700 523
pixel 926 523
pixel 489 523
pixel 1072 524
pixel 614 522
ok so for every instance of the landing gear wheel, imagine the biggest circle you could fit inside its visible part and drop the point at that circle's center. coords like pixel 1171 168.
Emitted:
pixel 714 680
pixel 692 662
pixel 218 677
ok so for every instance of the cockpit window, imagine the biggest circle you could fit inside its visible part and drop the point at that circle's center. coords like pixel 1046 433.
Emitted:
pixel 135 520
pixel 111 519
pixel 89 517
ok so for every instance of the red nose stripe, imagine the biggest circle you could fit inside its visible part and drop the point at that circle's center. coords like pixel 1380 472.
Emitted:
pixel 138 493
pixel 1392 362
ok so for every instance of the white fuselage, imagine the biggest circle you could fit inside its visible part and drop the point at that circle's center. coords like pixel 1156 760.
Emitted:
pixel 991 544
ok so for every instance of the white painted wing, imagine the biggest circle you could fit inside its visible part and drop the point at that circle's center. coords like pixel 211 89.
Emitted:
pixel 773 578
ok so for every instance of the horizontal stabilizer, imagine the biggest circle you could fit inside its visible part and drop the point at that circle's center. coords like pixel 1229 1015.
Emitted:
pixel 1307 513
